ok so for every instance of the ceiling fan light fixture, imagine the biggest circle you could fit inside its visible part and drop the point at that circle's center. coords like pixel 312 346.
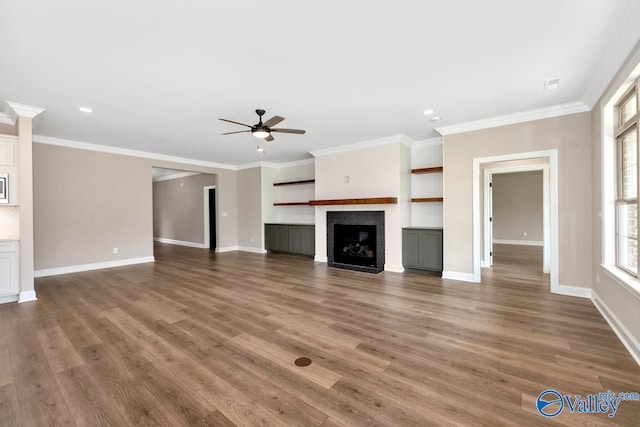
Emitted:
pixel 261 133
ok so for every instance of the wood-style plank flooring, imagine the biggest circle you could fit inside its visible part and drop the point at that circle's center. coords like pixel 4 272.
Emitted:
pixel 210 339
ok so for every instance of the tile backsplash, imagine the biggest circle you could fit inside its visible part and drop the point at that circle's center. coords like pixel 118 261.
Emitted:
pixel 9 222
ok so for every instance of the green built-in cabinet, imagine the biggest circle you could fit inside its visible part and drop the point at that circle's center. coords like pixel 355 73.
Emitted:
pixel 290 238
pixel 422 248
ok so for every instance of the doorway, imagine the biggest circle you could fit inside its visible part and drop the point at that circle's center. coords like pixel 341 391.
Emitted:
pixel 546 160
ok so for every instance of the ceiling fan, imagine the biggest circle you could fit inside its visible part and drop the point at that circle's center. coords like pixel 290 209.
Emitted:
pixel 263 130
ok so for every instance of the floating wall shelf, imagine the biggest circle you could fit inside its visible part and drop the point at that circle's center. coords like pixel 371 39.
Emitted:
pixel 427 199
pixel 306 181
pixel 292 204
pixel 427 170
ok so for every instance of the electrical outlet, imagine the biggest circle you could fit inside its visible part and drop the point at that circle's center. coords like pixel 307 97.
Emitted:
pixel 346 179
pixel 115 251
pixel 253 240
pixel 224 214
pixel 524 234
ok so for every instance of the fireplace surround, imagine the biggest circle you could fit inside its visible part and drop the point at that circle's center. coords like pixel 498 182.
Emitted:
pixel 355 240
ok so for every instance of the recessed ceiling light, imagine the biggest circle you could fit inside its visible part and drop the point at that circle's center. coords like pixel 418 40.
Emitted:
pixel 552 84
pixel 435 118
pixel 85 109
pixel 428 112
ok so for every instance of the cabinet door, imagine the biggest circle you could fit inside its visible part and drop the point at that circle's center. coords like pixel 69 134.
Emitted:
pixel 308 241
pixel 411 248
pixel 295 240
pixel 270 237
pixel 282 238
pixel 9 279
pixel 431 250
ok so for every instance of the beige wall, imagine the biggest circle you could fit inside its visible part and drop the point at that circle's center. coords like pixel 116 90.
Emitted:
pixel 570 135
pixel 178 208
pixel 517 206
pixel 250 208
pixel 88 202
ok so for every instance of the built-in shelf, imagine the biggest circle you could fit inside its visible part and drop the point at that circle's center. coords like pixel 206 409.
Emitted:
pixel 364 201
pixel 292 204
pixel 427 199
pixel 306 181
pixel 427 170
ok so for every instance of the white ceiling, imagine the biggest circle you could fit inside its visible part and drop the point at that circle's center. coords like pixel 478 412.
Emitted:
pixel 159 74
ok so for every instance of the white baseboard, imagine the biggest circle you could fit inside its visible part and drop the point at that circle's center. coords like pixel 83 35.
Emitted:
pixel 8 298
pixel 320 258
pixel 227 249
pixel 252 250
pixel 572 291
pixel 88 267
pixel 394 268
pixel 518 242
pixel 180 243
pixel 27 296
pixel 628 340
pixel 454 275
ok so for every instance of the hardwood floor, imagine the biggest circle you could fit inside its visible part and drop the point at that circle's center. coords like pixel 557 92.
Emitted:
pixel 211 339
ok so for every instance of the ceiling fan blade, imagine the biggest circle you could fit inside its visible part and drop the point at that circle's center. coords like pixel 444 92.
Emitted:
pixel 283 130
pixel 269 138
pixel 239 131
pixel 238 123
pixel 273 121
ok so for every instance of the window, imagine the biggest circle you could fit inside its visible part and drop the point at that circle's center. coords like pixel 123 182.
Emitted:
pixel 626 134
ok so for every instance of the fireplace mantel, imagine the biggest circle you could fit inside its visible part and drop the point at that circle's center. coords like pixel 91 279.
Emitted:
pixel 364 201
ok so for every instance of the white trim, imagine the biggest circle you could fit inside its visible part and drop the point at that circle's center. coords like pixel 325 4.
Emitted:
pixel 8 298
pixel 252 250
pixel 277 165
pixel 41 139
pixel 454 275
pixel 207 237
pixel 321 258
pixel 179 242
pixel 428 142
pixel 513 118
pixel 628 340
pixel 394 268
pixel 403 139
pixel 88 267
pixel 27 296
pixel 553 209
pixel 5 119
pixel 176 176
pixel 573 291
pixel 20 110
pixel 519 242
pixel 227 249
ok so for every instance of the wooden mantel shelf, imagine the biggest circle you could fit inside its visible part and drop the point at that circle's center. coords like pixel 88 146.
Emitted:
pixel 365 201
pixel 427 170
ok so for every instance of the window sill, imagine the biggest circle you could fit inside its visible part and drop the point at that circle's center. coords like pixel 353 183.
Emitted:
pixel 627 282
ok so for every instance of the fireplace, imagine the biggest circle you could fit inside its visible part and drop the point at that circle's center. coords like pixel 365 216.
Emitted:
pixel 355 240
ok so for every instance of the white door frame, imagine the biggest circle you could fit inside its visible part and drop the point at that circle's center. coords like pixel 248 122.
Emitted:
pixel 546 216
pixel 205 190
pixel 552 155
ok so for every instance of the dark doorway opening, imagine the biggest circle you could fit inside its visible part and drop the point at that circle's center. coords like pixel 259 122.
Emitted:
pixel 212 219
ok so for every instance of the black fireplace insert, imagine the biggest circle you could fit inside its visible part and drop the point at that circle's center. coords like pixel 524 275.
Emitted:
pixel 355 244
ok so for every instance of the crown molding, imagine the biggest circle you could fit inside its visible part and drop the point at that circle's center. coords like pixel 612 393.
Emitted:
pixel 617 54
pixel 428 142
pixel 176 176
pixel 5 119
pixel 276 165
pixel 127 152
pixel 20 110
pixel 402 139
pixel 510 119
